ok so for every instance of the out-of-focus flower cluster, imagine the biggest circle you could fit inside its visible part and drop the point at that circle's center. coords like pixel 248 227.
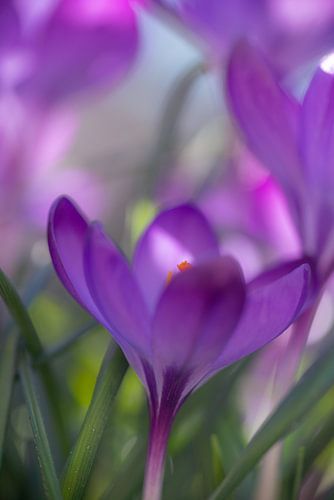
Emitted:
pixel 53 56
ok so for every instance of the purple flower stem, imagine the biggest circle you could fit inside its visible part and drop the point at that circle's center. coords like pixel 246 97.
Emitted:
pixel 155 462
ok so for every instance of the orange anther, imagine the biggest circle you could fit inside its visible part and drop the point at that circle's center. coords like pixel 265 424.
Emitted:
pixel 183 266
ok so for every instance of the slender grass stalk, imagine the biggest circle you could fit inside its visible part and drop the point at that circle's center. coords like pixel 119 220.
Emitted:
pixel 298 474
pixel 7 374
pixel 286 370
pixel 49 476
pixel 314 445
pixel 316 382
pixel 28 333
pixel 83 456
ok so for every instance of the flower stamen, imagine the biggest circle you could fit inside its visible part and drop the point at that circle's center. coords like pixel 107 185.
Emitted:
pixel 183 266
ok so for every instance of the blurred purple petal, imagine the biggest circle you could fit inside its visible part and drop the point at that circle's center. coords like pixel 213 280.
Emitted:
pixel 317 122
pixel 67 233
pixel 176 235
pixel 274 300
pixel 245 203
pixel 267 117
pixel 196 315
pixel 115 291
pixel 294 141
pixel 9 23
pixel 67 47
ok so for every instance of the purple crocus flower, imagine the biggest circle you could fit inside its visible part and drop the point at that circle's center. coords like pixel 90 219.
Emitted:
pixel 294 140
pixel 53 49
pixel 292 32
pixel 180 312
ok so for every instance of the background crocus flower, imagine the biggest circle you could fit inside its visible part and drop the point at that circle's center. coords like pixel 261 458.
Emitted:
pixel 50 51
pixel 291 32
pixel 245 204
pixel 180 311
pixel 32 145
pixel 294 141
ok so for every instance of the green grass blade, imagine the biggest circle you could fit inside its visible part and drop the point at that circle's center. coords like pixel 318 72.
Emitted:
pixel 35 285
pixel 217 459
pixel 314 445
pixel 49 477
pixel 20 315
pixel 298 474
pixel 7 374
pixel 318 379
pixel 27 330
pixel 80 463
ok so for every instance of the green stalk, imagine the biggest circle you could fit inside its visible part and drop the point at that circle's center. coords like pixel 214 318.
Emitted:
pixel 82 458
pixel 318 379
pixel 7 375
pixel 49 477
pixel 27 330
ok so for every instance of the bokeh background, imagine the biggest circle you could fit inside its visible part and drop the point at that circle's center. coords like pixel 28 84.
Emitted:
pixel 159 135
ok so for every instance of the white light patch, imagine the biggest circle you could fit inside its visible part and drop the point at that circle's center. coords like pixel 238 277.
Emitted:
pixel 327 64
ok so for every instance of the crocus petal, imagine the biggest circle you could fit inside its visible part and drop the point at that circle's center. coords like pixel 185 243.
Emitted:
pixel 115 291
pixel 266 115
pixel 9 24
pixel 82 45
pixel 175 235
pixel 67 231
pixel 195 316
pixel 274 300
pixel 318 130
pixel 69 235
